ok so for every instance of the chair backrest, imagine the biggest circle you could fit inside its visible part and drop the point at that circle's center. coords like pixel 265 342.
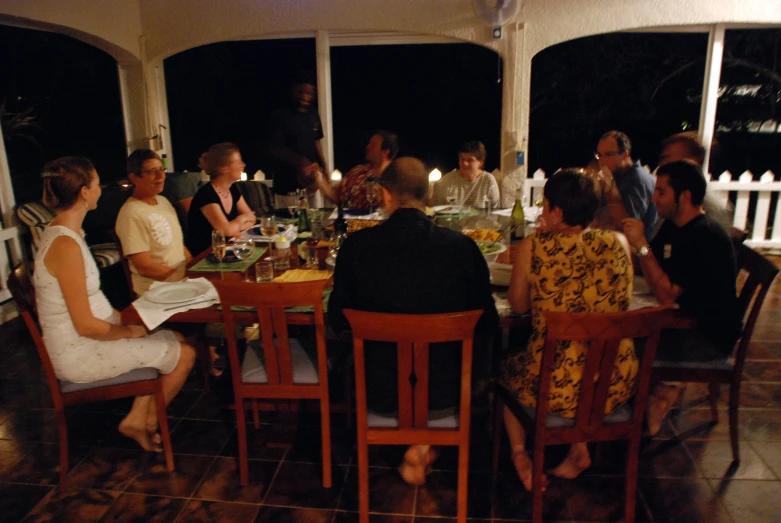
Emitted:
pixel 602 333
pixel 759 273
pixel 270 301
pixel 738 236
pixel 125 263
pixel 413 333
pixel 23 291
pixel 257 195
pixel 36 216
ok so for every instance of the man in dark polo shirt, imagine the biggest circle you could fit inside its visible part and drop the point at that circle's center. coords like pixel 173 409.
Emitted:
pixel 690 262
pixel 293 148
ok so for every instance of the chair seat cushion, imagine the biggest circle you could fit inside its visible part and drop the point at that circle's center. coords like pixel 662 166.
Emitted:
pixel 702 365
pixel 106 254
pixel 36 216
pixel 147 373
pixel 622 414
pixel 377 420
pixel 303 359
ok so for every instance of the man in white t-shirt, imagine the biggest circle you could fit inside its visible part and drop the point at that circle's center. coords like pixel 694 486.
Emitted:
pixel 147 224
pixel 473 184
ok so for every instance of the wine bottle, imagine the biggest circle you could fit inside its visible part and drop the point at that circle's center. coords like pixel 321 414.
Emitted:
pixel 517 218
pixel 303 216
pixel 340 224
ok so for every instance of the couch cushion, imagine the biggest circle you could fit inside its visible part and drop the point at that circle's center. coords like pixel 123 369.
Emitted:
pixel 129 377
pixel 106 254
pixel 303 358
pixel 36 216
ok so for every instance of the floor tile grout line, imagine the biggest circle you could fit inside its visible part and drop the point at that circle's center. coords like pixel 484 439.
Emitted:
pixel 764 461
pixel 273 478
pixel 344 481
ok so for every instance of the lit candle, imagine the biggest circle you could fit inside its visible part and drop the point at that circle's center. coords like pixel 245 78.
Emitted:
pixel 336 176
pixel 244 177
pixel 433 177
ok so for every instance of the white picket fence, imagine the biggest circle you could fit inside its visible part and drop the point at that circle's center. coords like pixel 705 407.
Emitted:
pixel 751 212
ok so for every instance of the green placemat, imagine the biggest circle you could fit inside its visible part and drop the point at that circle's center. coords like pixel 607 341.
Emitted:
pixel 206 265
pixel 301 308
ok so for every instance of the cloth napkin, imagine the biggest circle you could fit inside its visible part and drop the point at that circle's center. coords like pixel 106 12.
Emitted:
pixel 298 275
pixel 154 314
pixel 206 265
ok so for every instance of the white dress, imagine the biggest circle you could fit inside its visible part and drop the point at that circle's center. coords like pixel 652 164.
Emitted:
pixel 84 360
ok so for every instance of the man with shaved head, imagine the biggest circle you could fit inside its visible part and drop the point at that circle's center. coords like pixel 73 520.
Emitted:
pixel 409 265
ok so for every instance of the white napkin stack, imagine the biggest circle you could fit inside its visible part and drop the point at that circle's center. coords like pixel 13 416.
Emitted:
pixel 154 314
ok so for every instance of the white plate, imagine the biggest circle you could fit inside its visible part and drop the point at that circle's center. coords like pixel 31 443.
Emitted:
pixel 177 292
pixel 446 209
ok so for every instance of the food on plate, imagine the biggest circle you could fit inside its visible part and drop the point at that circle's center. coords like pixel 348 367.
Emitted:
pixel 357 225
pixel 483 235
pixel 489 248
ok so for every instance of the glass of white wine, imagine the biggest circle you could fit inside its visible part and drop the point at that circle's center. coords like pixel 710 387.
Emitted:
pixel 268 226
pixel 371 194
pixel 244 248
pixel 219 245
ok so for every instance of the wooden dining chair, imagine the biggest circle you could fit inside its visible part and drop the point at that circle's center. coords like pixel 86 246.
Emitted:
pixel 603 332
pixel 756 274
pixel 138 382
pixel 412 333
pixel 281 367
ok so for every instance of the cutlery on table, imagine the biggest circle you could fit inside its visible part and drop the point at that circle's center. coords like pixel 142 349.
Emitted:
pixel 189 304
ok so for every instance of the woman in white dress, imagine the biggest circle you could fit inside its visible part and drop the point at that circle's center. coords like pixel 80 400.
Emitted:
pixel 83 334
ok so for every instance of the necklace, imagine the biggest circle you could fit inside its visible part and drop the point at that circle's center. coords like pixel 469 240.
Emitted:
pixel 221 194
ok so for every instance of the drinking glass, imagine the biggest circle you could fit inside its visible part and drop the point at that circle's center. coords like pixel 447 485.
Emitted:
pixel 451 195
pixel 371 194
pixel 311 254
pixel 244 248
pixel 264 271
pixel 268 226
pixel 292 205
pixel 219 245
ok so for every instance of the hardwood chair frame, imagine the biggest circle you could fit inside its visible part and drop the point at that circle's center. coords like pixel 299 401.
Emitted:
pixel 270 301
pixel 760 275
pixel 604 332
pixel 413 334
pixel 21 288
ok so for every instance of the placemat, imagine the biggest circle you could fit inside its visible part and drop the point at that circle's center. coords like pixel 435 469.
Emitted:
pixel 205 265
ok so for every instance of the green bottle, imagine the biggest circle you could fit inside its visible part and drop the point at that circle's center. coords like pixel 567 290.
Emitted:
pixel 303 217
pixel 517 219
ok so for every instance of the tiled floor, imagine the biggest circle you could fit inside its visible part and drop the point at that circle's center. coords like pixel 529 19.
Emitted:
pixel 685 474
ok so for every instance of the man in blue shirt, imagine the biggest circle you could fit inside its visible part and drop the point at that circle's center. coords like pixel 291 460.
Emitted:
pixel 628 186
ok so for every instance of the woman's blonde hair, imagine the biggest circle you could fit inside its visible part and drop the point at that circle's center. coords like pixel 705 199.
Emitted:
pixel 218 156
pixel 63 179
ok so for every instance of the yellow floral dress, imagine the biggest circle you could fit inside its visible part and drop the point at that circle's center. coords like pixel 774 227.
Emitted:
pixel 586 272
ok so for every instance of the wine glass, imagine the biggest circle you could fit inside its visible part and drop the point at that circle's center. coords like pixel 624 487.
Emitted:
pixel 371 194
pixel 451 195
pixel 219 246
pixel 268 226
pixel 292 205
pixel 244 248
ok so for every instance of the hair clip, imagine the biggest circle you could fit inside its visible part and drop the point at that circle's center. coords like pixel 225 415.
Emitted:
pixel 48 174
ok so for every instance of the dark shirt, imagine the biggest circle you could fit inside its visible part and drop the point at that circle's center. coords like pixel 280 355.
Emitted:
pixel 636 186
pixel 699 258
pixel 199 230
pixel 408 265
pixel 298 132
pixel 179 187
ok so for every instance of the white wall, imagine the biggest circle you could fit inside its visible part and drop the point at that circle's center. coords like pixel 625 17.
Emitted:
pixel 111 25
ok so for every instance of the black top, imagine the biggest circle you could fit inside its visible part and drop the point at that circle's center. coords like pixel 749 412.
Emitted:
pixel 408 265
pixel 199 230
pixel 299 132
pixel 699 258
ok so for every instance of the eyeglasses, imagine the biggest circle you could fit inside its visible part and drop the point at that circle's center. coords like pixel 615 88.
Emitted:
pixel 154 171
pixel 598 155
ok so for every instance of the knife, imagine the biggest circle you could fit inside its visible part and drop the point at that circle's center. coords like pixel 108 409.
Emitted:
pixel 189 304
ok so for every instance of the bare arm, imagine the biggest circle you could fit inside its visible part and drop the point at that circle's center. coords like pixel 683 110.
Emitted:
pixel 320 156
pixel 219 222
pixel 332 193
pixel 65 262
pixel 665 290
pixel 149 268
pixel 518 294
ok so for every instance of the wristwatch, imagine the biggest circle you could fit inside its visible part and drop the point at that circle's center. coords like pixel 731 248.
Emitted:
pixel 643 251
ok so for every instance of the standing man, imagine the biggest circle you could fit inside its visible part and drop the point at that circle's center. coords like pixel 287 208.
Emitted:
pixel 147 224
pixel 690 262
pixel 628 187
pixel 294 143
pixel 408 265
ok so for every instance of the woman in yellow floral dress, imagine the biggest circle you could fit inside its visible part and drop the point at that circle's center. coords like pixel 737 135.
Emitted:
pixel 568 267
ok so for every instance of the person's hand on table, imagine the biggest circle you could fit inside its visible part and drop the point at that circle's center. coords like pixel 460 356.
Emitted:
pixel 634 230
pixel 135 331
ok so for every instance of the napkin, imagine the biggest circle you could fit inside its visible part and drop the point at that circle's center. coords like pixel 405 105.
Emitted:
pixel 297 275
pixel 154 314
pixel 502 305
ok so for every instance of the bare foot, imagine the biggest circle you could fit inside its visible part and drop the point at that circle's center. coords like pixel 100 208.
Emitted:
pixel 140 435
pixel 575 463
pixel 523 466
pixel 215 370
pixel 417 464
